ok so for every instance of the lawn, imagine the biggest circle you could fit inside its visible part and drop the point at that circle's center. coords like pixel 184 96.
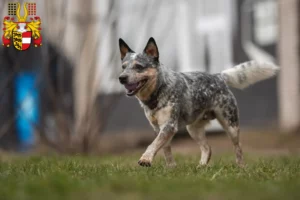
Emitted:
pixel 119 177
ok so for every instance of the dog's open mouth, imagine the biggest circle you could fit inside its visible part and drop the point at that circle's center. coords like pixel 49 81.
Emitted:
pixel 133 88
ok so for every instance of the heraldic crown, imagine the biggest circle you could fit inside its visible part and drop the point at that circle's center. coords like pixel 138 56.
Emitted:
pixel 23 32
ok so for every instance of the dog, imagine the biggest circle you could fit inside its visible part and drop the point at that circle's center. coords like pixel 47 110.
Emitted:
pixel 172 100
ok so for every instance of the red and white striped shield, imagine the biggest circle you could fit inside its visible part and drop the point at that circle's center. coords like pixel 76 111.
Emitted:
pixel 22 40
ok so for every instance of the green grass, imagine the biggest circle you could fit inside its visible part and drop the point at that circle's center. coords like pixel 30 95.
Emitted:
pixel 119 177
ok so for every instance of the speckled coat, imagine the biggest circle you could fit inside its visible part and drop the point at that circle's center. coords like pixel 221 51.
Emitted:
pixel 172 100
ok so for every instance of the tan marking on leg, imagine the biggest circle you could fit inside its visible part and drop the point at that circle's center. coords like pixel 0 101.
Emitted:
pixel 161 116
pixel 151 118
pixel 160 141
pixel 168 156
pixel 170 162
pixel 233 133
pixel 197 132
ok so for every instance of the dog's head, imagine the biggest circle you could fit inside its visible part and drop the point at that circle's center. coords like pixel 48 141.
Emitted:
pixel 140 70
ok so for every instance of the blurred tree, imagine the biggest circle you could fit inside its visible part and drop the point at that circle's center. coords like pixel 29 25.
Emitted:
pixel 71 26
pixel 289 81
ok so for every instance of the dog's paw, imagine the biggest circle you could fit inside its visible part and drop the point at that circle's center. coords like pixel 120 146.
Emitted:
pixel 171 165
pixel 144 162
pixel 201 166
pixel 241 164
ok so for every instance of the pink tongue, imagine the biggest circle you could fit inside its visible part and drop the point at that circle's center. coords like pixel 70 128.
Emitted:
pixel 131 86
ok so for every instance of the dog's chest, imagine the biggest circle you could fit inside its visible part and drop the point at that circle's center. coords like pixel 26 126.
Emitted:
pixel 160 117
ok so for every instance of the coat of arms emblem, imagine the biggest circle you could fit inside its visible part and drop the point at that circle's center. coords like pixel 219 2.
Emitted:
pixel 22 32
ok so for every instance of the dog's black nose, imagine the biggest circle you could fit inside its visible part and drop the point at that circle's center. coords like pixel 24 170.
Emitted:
pixel 123 79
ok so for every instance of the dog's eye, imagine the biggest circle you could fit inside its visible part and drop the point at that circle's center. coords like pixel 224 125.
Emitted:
pixel 139 67
pixel 123 66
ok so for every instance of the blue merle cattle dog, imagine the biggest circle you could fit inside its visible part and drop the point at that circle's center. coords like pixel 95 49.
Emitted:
pixel 172 100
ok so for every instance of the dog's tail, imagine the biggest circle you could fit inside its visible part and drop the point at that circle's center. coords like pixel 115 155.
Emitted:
pixel 248 73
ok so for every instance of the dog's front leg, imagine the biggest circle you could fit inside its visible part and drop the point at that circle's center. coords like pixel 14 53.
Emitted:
pixel 169 156
pixel 164 137
pixel 167 152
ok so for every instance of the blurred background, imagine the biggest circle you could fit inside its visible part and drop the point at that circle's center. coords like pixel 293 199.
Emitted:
pixel 65 95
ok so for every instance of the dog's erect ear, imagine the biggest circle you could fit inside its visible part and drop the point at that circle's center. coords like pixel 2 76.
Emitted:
pixel 151 49
pixel 124 48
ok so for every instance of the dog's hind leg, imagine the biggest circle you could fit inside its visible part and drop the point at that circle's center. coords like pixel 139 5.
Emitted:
pixel 228 118
pixel 197 132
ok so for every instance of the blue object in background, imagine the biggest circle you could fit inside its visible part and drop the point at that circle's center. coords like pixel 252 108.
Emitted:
pixel 26 107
